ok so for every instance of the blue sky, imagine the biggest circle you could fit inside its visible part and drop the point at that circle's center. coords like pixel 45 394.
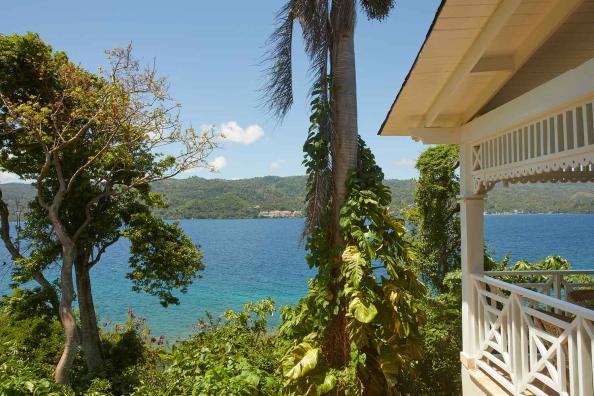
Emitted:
pixel 211 53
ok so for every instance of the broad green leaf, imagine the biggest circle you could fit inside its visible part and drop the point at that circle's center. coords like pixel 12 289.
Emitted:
pixel 328 384
pixel 363 313
pixel 305 358
pixel 390 363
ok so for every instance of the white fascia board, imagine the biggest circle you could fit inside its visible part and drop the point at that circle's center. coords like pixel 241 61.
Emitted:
pixel 570 87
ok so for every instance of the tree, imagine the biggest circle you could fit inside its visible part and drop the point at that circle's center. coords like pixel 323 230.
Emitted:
pixel 349 311
pixel 93 144
pixel 436 214
pixel 435 235
pixel 329 36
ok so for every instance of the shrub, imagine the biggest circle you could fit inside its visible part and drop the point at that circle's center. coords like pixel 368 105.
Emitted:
pixel 234 356
pixel 28 321
pixel 19 376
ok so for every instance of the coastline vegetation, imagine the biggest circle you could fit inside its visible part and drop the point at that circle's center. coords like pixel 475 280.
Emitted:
pixel 91 144
pixel 199 198
pixel 381 315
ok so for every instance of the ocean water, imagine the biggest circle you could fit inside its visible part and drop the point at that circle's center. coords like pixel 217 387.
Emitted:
pixel 250 259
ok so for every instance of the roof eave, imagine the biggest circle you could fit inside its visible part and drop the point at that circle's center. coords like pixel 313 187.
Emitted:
pixel 437 13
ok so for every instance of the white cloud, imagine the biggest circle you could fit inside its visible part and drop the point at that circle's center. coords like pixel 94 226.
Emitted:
pixel 274 165
pixel 233 132
pixel 217 164
pixel 405 163
pixel 6 177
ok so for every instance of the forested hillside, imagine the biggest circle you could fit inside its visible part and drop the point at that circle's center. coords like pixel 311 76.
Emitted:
pixel 217 198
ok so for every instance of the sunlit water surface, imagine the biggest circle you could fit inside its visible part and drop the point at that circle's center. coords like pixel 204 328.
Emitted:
pixel 247 260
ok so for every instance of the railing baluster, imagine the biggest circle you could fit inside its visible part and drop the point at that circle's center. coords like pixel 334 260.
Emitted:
pixel 585 124
pixel 523 341
pixel 576 140
pixel 589 123
pixel 497 151
pixel 562 132
pixel 517 345
pixel 478 326
pixel 524 334
pixel 557 289
pixel 573 364
pixel 584 351
pixel 562 368
pixel 552 136
pixel 532 353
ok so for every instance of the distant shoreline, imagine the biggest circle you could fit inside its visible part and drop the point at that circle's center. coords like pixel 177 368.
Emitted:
pixel 536 213
pixel 277 197
pixel 302 217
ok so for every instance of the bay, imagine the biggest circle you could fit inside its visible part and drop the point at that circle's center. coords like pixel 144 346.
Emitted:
pixel 251 259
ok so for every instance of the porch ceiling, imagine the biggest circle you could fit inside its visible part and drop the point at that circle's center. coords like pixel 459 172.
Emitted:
pixel 479 55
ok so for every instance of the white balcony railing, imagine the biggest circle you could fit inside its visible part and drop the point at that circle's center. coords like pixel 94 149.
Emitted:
pixel 533 343
pixel 560 284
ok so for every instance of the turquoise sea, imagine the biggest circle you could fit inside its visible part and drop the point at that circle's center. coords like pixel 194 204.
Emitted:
pixel 250 259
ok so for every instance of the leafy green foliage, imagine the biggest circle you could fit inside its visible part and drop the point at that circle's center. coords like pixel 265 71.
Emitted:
pixel 383 314
pixel 436 238
pixel 550 263
pixel 302 359
pixel 29 323
pixel 198 198
pixel 235 357
pixel 437 372
pixel 377 9
pixel 436 224
pixel 126 347
pixel 30 343
pixel 92 142
pixel 380 309
pixel 19 377
pixel 162 257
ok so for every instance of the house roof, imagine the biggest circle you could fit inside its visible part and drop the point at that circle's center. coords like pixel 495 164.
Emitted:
pixel 480 54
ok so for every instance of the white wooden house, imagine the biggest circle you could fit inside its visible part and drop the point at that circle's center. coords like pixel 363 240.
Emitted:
pixel 511 82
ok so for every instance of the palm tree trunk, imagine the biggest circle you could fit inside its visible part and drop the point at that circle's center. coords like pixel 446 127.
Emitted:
pixel 91 341
pixel 344 101
pixel 71 337
pixel 345 151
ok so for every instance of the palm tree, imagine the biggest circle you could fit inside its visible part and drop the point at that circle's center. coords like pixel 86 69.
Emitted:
pixel 328 28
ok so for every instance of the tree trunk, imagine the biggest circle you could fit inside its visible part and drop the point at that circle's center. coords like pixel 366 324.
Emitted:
pixel 344 100
pixel 344 155
pixel 91 341
pixel 71 338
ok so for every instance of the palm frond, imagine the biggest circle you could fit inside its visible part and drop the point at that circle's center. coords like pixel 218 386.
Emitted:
pixel 313 17
pixel 278 90
pixel 377 9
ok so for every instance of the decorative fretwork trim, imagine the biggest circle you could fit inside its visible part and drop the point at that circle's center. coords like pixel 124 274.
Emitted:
pixel 555 148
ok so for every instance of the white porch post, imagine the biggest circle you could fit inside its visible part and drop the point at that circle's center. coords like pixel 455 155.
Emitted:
pixel 471 222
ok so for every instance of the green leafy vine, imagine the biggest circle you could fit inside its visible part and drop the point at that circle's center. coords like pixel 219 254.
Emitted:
pixel 375 285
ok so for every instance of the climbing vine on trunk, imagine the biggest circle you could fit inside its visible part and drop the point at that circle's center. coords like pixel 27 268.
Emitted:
pixel 371 281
